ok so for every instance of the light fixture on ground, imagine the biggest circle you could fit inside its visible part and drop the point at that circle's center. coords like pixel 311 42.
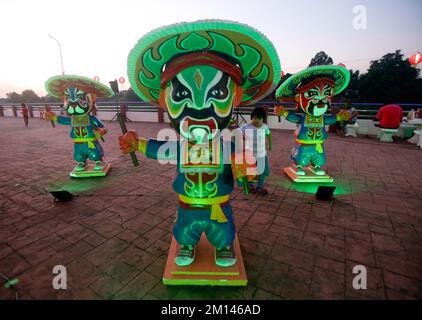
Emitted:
pixel 325 193
pixel 62 196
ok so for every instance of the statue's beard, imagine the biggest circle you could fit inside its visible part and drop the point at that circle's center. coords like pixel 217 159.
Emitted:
pixel 319 108
pixel 77 108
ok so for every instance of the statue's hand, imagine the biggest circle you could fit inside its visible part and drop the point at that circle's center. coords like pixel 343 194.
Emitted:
pixel 246 167
pixel 343 115
pixel 99 132
pixel 50 116
pixel 128 142
pixel 280 111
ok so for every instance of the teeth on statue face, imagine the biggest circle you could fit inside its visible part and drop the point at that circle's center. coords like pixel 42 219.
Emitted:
pixel 199 134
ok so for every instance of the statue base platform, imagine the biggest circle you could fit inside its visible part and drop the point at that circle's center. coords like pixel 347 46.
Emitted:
pixel 309 176
pixel 203 271
pixel 89 172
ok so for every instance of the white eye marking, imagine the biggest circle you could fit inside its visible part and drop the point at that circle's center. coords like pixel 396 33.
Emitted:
pixel 311 94
pixel 327 90
pixel 217 92
pixel 79 109
pixel 183 93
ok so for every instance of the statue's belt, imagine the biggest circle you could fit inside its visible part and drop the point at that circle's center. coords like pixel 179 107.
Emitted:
pixel 90 141
pixel 216 204
pixel 317 143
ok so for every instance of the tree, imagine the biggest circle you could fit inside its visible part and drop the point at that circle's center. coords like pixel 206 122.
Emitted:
pixel 272 94
pixel 28 96
pixel 50 99
pixel 321 59
pixel 354 79
pixel 391 79
pixel 352 90
pixel 131 96
pixel 13 97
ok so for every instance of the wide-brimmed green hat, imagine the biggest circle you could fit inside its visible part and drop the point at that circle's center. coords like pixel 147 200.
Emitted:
pixel 56 86
pixel 340 75
pixel 240 44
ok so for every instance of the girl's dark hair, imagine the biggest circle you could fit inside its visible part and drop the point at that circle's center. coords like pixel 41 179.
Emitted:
pixel 259 112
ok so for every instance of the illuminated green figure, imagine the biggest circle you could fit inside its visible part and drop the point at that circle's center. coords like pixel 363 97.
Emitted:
pixel 79 94
pixel 199 72
pixel 312 90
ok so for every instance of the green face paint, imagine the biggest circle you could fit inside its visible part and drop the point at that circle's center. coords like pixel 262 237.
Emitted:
pixel 200 88
pixel 77 101
pixel 200 97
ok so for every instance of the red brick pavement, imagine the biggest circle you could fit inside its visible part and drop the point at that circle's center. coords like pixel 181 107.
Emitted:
pixel 114 237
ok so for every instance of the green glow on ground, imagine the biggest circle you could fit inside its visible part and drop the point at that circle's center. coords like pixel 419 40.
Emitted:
pixel 77 186
pixel 341 187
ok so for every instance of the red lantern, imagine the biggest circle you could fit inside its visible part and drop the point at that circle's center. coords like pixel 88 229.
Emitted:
pixel 282 73
pixel 415 59
pixel 122 80
pixel 341 64
pixel 96 78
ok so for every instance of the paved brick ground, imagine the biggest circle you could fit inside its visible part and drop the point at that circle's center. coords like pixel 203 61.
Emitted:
pixel 114 237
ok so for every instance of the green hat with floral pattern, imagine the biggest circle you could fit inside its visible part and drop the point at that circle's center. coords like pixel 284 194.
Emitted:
pixel 238 49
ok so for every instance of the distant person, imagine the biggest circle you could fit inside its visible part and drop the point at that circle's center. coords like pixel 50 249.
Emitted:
pixel 25 113
pixel 340 125
pixel 411 114
pixel 389 116
pixel 353 112
pixel 48 110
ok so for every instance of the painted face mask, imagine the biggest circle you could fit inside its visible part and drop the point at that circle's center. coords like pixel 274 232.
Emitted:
pixel 315 97
pixel 200 100
pixel 77 101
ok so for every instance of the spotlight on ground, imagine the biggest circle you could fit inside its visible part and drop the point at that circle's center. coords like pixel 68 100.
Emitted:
pixel 61 196
pixel 325 193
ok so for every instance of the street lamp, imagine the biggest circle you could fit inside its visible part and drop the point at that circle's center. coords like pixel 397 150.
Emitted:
pixel 60 50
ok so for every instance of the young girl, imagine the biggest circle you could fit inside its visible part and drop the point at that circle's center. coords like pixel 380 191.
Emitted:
pixel 257 137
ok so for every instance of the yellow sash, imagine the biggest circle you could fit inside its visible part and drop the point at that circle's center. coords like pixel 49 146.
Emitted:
pixel 318 144
pixel 217 213
pixel 90 141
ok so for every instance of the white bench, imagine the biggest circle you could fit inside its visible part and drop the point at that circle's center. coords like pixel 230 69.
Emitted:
pixel 366 127
pixel 351 130
pixel 386 135
pixel 418 135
